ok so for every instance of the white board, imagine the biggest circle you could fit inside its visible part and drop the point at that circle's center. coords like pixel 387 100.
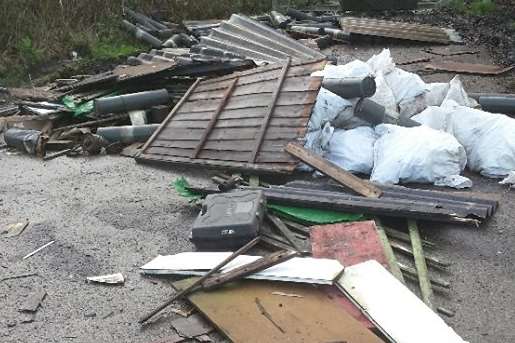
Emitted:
pixel 395 310
pixel 298 269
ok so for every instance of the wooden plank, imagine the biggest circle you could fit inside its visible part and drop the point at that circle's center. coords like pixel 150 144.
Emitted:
pixel 236 156
pixel 312 317
pixel 239 123
pixel 241 145
pixel 263 168
pixel 420 264
pixel 276 133
pixel 356 184
pixel 266 120
pixel 468 68
pixel 291 111
pixel 396 311
pixel 253 100
pixel 291 84
pixel 388 251
pixel 170 116
pixel 214 118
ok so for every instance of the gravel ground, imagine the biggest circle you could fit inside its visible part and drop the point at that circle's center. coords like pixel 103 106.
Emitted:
pixel 109 214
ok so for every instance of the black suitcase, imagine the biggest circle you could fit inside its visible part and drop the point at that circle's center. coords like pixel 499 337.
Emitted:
pixel 229 220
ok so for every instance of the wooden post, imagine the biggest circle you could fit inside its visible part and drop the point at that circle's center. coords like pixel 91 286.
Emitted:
pixel 420 263
pixel 388 251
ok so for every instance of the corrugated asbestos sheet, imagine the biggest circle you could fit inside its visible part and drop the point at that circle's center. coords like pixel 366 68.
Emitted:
pixel 399 30
pixel 240 121
pixel 246 37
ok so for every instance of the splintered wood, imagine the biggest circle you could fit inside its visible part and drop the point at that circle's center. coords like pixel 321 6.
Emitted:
pixel 241 121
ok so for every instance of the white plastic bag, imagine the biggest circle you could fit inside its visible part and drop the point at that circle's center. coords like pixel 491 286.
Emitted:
pixel 405 85
pixel 384 95
pixel 317 141
pixel 327 107
pixel 458 94
pixel 381 63
pixel 437 93
pixel 353 150
pixel 417 154
pixel 355 68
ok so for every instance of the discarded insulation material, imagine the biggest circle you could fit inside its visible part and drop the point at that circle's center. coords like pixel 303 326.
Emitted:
pixel 241 121
pixel 396 311
pixel 249 312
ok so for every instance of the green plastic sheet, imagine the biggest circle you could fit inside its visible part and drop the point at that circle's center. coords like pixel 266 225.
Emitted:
pixel 79 109
pixel 298 214
pixel 313 215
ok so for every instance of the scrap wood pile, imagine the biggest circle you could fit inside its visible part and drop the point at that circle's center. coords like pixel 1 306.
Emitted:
pixel 245 95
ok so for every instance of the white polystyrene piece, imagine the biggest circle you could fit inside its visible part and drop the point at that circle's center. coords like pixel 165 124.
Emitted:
pixel 397 312
pixel 299 269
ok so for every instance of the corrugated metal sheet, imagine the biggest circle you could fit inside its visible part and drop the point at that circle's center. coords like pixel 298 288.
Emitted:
pixel 244 36
pixel 399 30
pixel 240 121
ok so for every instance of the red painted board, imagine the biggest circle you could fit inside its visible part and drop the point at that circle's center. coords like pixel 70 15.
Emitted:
pixel 349 243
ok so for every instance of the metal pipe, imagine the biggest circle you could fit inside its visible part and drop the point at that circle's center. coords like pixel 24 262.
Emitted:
pixel 337 33
pixel 279 20
pixel 131 102
pixel 142 35
pixel 307 30
pixel 376 114
pixel 29 141
pixel 127 134
pixel 498 104
pixel 349 88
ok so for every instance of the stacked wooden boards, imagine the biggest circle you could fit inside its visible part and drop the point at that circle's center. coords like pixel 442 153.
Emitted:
pixel 241 121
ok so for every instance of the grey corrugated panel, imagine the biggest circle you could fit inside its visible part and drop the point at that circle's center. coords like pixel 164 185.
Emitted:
pixel 263 40
pixel 223 36
pixel 246 37
pixel 269 32
pixel 213 43
pixel 391 29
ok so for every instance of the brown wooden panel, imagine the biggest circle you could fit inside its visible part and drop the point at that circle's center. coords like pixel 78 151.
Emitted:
pixel 292 111
pixel 237 156
pixel 272 168
pixel 291 84
pixel 249 101
pixel 231 134
pixel 263 73
pixel 235 123
pixel 241 145
pixel 248 311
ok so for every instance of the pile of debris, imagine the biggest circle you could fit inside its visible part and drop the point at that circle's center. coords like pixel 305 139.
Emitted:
pixel 244 95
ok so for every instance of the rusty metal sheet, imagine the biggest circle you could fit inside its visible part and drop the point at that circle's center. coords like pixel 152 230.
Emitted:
pixel 241 121
pixel 398 30
pixel 468 68
pixel 250 312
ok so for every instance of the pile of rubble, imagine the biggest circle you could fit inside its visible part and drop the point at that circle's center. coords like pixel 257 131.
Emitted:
pixel 245 95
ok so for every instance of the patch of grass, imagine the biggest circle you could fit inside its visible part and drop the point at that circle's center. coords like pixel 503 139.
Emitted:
pixel 458 6
pixel 481 7
pixel 110 50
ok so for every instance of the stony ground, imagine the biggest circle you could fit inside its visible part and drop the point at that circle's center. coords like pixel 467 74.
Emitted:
pixel 109 214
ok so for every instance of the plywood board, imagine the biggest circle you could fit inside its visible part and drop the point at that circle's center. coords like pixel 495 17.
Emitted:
pixel 248 312
pixel 395 310
pixel 298 269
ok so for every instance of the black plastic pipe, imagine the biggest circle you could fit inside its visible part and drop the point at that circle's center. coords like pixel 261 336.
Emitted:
pixel 131 102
